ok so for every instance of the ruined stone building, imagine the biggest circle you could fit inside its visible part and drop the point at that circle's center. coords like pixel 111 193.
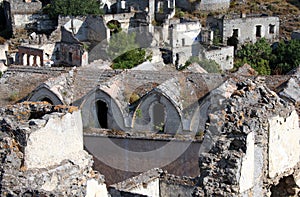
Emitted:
pixel 246 28
pixel 218 134
pixel 25 14
pixel 42 153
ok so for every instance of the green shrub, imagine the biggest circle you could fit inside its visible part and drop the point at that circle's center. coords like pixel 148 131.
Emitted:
pixel 209 65
pixel 73 8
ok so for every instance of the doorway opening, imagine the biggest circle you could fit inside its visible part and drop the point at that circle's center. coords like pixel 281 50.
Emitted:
pixel 102 109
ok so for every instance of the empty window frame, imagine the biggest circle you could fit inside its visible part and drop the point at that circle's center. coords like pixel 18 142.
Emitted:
pixel 235 33
pixel 271 29
pixel 258 31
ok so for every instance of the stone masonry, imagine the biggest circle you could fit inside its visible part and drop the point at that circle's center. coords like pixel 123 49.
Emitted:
pixel 42 153
pixel 251 142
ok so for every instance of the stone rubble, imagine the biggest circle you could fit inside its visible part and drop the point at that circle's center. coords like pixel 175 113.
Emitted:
pixel 70 177
pixel 226 142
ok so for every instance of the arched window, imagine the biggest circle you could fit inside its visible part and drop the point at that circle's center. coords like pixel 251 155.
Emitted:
pixel 158 117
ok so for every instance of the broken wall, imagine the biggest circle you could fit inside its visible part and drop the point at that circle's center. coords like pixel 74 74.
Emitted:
pixel 224 56
pixel 42 153
pixel 251 143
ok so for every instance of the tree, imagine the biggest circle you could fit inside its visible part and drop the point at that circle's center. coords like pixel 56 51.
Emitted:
pixel 258 55
pixel 125 52
pixel 73 8
pixel 286 56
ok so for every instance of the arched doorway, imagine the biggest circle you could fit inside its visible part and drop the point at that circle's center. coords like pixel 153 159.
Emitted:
pixel 158 117
pixel 102 109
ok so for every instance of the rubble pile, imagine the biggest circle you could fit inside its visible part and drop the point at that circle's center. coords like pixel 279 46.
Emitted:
pixel 241 125
pixel 71 176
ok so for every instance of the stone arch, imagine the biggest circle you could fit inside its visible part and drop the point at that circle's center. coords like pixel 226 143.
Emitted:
pixel 143 116
pixel 44 94
pixel 98 105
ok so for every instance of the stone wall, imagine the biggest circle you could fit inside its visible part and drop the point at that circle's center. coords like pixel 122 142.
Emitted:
pixel 42 153
pixel 152 151
pixel 19 13
pixel 184 33
pixel 3 51
pixel 204 5
pixel 224 56
pixel 210 5
pixel 248 144
pixel 154 182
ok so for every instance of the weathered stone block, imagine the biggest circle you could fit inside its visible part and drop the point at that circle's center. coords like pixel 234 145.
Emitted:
pixel 284 147
pixel 62 134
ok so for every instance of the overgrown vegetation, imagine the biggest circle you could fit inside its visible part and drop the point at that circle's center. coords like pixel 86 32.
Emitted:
pixel 286 56
pixel 73 8
pixel 114 26
pixel 209 65
pixel 125 52
pixel 281 59
pixel 258 55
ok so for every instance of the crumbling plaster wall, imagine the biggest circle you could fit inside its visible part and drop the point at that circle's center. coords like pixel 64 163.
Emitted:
pixel 62 134
pixel 284 147
pixel 184 33
pixel 224 56
pixel 247 28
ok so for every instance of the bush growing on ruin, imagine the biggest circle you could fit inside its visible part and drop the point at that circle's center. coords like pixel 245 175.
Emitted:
pixel 283 58
pixel 73 8
pixel 257 55
pixel 125 52
pixel 209 65
pixel 286 56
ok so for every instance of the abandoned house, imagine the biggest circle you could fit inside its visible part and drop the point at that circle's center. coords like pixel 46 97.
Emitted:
pixel 25 14
pixel 246 28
